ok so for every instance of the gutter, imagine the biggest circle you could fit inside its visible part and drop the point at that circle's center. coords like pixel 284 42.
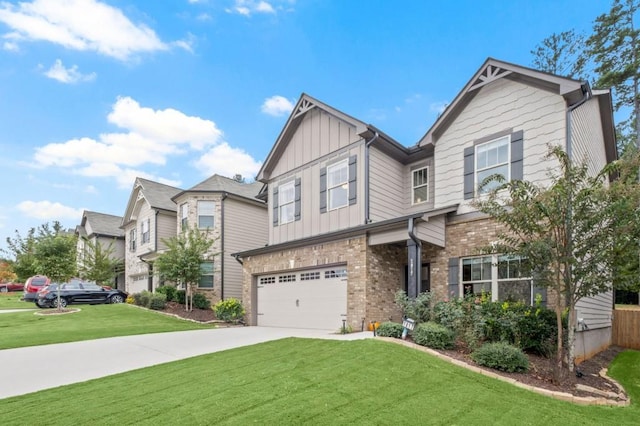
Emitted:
pixel 224 197
pixel 367 218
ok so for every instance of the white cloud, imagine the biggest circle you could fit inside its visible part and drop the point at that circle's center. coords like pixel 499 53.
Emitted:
pixel 85 25
pixel 90 189
pixel 249 7
pixel 67 75
pixel 48 210
pixel 228 161
pixel 10 46
pixel 151 136
pixel 277 106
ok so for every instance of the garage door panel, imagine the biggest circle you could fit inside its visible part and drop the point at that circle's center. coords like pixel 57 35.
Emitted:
pixel 312 303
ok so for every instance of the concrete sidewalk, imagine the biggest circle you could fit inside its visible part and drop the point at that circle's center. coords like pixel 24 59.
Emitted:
pixel 25 370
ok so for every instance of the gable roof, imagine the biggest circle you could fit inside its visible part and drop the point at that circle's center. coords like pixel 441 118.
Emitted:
pixel 305 104
pixel 218 183
pixel 158 195
pixel 492 70
pixel 101 224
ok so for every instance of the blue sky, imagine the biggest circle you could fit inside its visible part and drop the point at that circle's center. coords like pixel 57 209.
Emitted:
pixel 94 93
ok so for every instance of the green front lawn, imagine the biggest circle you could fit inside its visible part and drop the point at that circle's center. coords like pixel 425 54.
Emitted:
pixel 12 300
pixel 296 381
pixel 92 322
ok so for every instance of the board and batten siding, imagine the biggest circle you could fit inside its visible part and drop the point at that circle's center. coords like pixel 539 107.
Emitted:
pixel 587 137
pixel 245 227
pixel 318 135
pixel 596 310
pixel 499 106
pixel 312 222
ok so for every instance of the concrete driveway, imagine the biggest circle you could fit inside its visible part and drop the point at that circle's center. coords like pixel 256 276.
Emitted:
pixel 35 368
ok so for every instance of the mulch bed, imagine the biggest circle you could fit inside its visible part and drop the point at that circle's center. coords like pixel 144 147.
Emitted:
pixel 199 315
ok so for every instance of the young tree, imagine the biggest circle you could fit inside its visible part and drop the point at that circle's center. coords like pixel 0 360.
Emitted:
pixel 55 257
pixel 6 271
pixel 97 263
pixel 561 54
pixel 182 260
pixel 615 49
pixel 22 249
pixel 566 231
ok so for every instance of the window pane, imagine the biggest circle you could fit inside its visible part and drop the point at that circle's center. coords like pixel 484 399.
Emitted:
pixel 206 208
pixel 286 193
pixel 205 221
pixel 515 291
pixel 337 174
pixel 287 213
pixel 338 197
pixel 420 194
pixel 206 281
pixel 503 153
pixel 206 277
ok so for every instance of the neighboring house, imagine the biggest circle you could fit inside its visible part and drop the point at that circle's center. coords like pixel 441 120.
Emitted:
pixel 149 218
pixel 235 218
pixel 103 229
pixel 355 216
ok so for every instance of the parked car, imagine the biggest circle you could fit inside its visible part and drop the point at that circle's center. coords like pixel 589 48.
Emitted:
pixel 33 285
pixel 77 292
pixel 5 287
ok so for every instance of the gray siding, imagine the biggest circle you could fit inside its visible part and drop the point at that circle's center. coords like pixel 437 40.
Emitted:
pixel 387 188
pixel 166 229
pixel 318 135
pixel 245 227
pixel 312 221
pixel 501 105
pixel 596 310
pixel 587 137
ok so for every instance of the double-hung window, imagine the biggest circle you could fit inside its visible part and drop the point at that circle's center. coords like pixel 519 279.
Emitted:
pixel 184 216
pixel 144 230
pixel 132 239
pixel 206 211
pixel 506 278
pixel 287 193
pixel 338 185
pixel 491 158
pixel 206 275
pixel 420 185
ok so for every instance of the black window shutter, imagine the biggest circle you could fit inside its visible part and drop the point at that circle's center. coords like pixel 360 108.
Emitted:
pixel 297 199
pixel 275 206
pixel 517 155
pixel 469 172
pixel 454 268
pixel 353 175
pixel 323 190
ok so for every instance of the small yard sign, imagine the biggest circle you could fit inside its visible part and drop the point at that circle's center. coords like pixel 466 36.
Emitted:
pixel 409 323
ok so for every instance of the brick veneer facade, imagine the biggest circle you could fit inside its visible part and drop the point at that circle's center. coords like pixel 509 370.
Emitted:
pixel 375 273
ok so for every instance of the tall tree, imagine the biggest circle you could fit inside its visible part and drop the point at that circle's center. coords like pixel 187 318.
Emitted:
pixel 615 49
pixel 181 262
pixel 98 263
pixel 561 54
pixel 565 231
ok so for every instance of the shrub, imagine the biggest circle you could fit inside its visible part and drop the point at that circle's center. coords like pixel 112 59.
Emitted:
pixel 142 299
pixel 448 313
pixel 389 329
pixel 501 356
pixel 418 309
pixel 130 300
pixel 180 296
pixel 229 310
pixel 433 335
pixel 169 291
pixel 200 301
pixel 158 301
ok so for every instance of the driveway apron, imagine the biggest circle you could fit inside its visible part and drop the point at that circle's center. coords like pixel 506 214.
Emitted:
pixel 30 369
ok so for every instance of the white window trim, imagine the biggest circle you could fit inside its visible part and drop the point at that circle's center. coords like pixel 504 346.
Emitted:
pixel 495 281
pixel 281 190
pixel 413 187
pixel 344 163
pixel 213 215
pixel 475 162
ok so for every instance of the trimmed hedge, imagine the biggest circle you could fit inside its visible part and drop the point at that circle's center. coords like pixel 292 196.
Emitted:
pixel 389 329
pixel 229 310
pixel 501 356
pixel 434 336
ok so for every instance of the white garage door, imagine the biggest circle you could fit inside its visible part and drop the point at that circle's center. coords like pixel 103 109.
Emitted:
pixel 305 299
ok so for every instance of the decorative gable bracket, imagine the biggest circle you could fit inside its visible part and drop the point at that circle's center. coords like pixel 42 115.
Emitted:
pixel 305 105
pixel 489 74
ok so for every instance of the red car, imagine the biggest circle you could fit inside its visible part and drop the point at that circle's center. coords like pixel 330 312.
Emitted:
pixel 5 287
pixel 33 285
